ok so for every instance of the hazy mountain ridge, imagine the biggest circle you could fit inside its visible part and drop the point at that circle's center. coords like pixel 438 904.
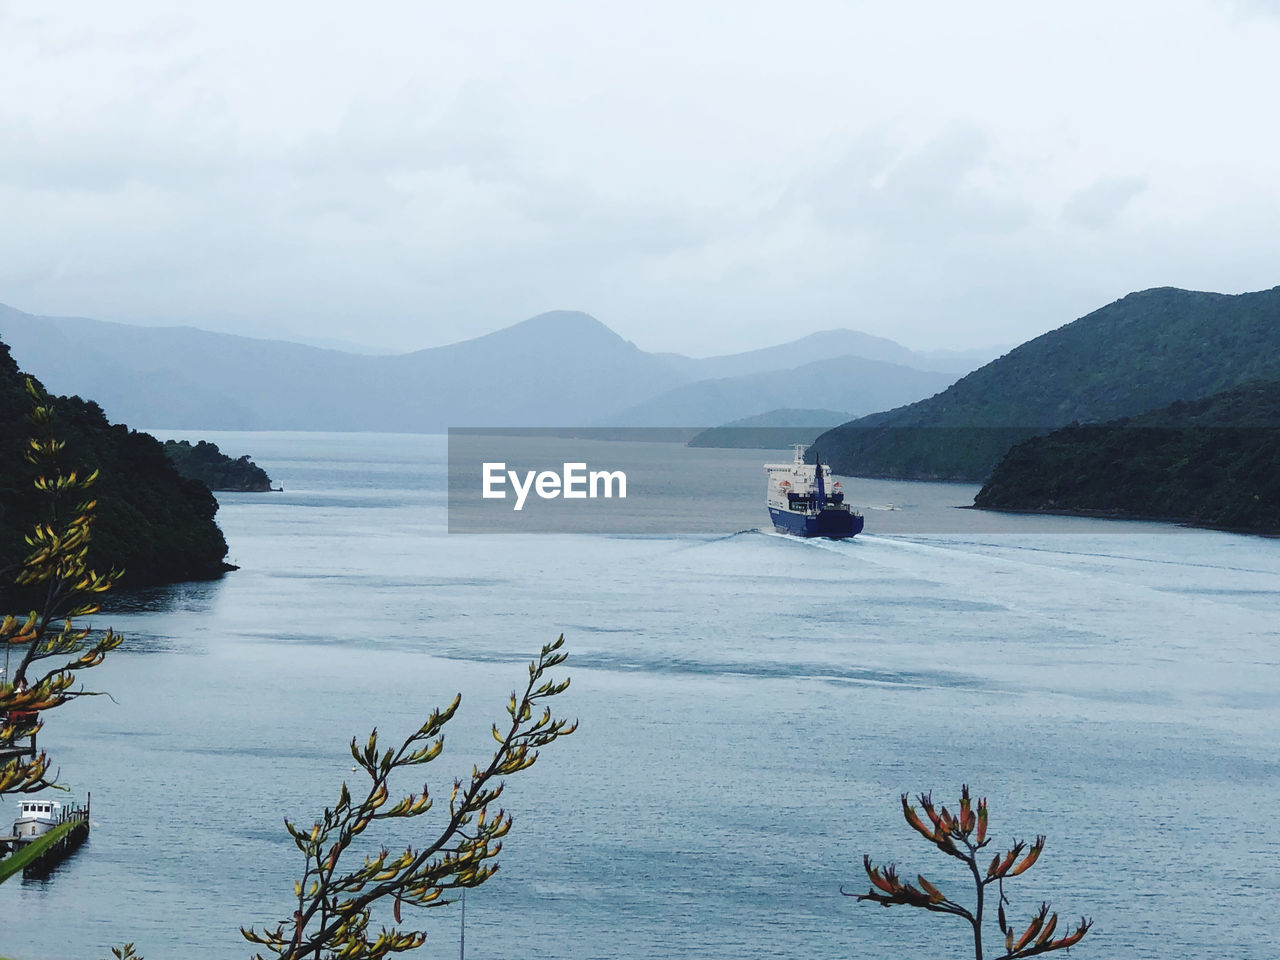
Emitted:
pixel 555 368
pixel 1139 353
pixel 772 430
pixel 184 377
pixel 559 368
pixel 850 383
pixel 787 417
pixel 825 345
pixel 821 345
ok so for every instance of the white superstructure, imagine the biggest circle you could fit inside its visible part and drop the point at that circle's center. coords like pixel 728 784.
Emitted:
pixel 795 477
pixel 36 817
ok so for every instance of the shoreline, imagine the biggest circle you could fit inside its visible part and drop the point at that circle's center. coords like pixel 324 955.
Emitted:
pixel 1267 532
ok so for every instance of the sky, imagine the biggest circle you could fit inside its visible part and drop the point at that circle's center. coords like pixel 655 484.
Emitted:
pixel 703 177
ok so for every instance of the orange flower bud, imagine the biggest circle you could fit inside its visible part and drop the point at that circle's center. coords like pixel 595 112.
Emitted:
pixel 1032 855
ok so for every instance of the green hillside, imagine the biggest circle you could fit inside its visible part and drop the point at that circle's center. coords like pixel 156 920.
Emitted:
pixel 1211 462
pixel 1139 353
pixel 203 461
pixel 154 523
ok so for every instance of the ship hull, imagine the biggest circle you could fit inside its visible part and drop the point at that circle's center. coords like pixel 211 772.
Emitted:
pixel 832 524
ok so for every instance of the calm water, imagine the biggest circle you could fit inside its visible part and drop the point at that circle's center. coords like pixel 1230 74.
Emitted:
pixel 751 708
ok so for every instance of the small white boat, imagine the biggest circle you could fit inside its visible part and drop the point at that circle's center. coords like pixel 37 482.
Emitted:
pixel 36 817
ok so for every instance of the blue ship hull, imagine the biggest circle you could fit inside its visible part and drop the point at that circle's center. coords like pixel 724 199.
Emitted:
pixel 833 524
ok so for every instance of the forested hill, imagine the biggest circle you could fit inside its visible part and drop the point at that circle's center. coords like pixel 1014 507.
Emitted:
pixel 217 471
pixel 153 523
pixel 1142 352
pixel 1211 462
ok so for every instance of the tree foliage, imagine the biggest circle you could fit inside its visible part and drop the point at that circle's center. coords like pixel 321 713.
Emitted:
pixel 1139 353
pixel 961 836
pixel 151 522
pixel 51 648
pixel 334 902
pixel 217 471
pixel 1212 462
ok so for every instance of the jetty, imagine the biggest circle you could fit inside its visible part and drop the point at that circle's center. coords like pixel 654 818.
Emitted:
pixel 17 748
pixel 36 855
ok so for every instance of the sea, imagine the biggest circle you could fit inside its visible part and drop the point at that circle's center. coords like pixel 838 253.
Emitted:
pixel 751 707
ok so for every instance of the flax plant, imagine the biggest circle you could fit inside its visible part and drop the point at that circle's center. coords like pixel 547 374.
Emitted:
pixel 56 579
pixel 961 836
pixel 334 902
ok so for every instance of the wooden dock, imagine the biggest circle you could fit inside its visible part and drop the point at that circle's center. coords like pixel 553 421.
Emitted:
pixel 11 751
pixel 36 857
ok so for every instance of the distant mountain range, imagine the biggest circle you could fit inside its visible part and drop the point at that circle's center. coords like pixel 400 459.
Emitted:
pixel 824 345
pixel 851 383
pixel 775 430
pixel 557 369
pixel 1137 354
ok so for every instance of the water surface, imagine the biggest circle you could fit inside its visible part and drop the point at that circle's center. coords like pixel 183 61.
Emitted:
pixel 751 707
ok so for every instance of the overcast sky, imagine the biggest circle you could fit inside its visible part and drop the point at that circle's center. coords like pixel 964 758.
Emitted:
pixel 704 177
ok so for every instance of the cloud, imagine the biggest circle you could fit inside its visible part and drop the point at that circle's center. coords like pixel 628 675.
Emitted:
pixel 943 187
pixel 707 180
pixel 1246 8
pixel 1098 205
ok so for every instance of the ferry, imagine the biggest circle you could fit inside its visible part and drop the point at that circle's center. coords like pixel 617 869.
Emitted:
pixel 801 503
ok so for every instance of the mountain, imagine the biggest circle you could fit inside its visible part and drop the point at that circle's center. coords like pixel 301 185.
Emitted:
pixel 546 370
pixel 1144 351
pixel 825 345
pixel 156 525
pixel 773 430
pixel 958 362
pixel 562 368
pixel 1210 462
pixel 848 383
pixel 816 346
pixel 181 377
